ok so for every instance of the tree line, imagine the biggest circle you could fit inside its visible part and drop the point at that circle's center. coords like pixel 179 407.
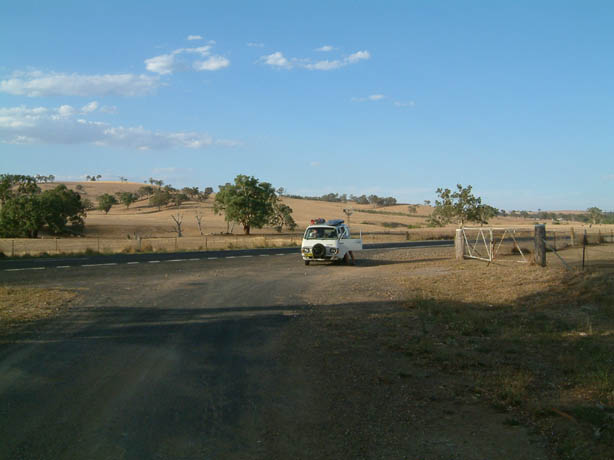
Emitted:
pixel 374 200
pixel 25 210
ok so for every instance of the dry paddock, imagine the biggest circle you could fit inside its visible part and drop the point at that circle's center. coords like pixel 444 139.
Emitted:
pixel 23 246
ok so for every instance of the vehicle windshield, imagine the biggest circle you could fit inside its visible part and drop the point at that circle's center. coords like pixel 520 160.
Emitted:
pixel 321 234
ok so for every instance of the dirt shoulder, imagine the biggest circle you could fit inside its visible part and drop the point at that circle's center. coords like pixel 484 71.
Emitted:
pixel 413 355
pixel 21 306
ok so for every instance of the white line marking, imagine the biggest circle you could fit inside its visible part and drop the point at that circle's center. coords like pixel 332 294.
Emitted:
pixel 98 265
pixel 230 257
pixel 37 268
pixel 154 262
pixel 280 254
pixel 211 258
pixel 176 260
pixel 265 255
pixel 63 266
pixel 14 269
pixel 194 259
pixel 245 256
pixel 132 263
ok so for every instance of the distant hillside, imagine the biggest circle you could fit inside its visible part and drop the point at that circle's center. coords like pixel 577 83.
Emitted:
pixel 145 220
pixel 93 190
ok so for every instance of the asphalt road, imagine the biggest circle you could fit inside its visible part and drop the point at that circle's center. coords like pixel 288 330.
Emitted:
pixel 167 360
pixel 114 259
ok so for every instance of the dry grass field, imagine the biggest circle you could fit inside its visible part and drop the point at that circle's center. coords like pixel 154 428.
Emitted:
pixel 147 222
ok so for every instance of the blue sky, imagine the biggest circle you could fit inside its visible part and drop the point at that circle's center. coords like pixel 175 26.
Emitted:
pixel 392 98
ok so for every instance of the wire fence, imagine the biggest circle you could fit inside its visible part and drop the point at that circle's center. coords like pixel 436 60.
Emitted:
pixel 16 247
pixel 575 248
pixel 582 248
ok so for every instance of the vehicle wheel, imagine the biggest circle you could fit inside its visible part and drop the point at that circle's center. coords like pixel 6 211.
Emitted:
pixel 306 262
pixel 319 251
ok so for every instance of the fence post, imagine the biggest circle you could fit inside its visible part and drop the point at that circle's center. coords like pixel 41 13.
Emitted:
pixel 554 236
pixel 540 245
pixel 573 237
pixel 584 249
pixel 459 244
pixel 12 248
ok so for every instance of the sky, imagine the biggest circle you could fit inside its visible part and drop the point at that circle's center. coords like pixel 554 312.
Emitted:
pixel 395 98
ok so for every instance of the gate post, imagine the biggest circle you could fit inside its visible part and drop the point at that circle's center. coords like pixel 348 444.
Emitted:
pixel 540 245
pixel 459 244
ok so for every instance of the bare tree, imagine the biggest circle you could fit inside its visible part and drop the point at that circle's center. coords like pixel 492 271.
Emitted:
pixel 178 219
pixel 199 219
pixel 348 212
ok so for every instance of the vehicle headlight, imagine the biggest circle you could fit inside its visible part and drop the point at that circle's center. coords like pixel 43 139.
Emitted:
pixel 305 250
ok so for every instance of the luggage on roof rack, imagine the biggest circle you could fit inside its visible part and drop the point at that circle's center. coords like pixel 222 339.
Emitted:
pixel 334 222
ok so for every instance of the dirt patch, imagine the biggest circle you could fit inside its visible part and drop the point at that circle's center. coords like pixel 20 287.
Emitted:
pixel 20 306
pixel 414 355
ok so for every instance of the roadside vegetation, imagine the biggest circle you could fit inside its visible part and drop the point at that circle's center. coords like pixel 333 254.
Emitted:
pixel 545 357
pixel 533 344
pixel 20 306
pixel 25 210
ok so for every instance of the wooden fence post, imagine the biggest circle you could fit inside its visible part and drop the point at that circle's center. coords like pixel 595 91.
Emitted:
pixel 573 237
pixel 584 242
pixel 459 244
pixel 540 245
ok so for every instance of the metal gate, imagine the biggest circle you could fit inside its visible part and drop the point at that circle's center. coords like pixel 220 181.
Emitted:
pixel 487 243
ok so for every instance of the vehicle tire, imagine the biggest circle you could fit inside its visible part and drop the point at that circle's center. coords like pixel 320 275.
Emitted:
pixel 306 262
pixel 319 251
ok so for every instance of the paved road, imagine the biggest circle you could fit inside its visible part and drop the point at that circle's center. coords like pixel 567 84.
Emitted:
pixel 115 259
pixel 167 360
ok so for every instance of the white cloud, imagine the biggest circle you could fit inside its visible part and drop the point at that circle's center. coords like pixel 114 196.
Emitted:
pixel 59 126
pixel 202 50
pixel 278 60
pixel 255 44
pixel 66 111
pixel 314 164
pixel 358 56
pixel 324 65
pixel 163 64
pixel 110 109
pixel 213 63
pixel 91 107
pixel 325 48
pixel 194 37
pixel 166 64
pixel 372 97
pixel 404 104
pixel 36 84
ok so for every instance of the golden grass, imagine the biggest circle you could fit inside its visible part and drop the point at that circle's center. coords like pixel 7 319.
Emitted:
pixel 146 221
pixel 21 305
